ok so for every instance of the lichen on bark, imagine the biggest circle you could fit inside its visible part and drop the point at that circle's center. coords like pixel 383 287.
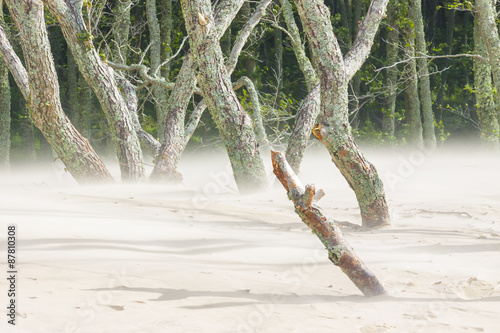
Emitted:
pixel 334 130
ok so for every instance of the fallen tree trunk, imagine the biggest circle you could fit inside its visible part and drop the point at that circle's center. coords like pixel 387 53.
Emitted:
pixel 327 230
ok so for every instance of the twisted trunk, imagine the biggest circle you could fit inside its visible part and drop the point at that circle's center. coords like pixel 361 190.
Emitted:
pixel 334 130
pixel 42 94
pixel 234 124
pixel 100 78
pixel 309 109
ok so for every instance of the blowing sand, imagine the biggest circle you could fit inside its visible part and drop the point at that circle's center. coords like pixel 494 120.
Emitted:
pixel 198 257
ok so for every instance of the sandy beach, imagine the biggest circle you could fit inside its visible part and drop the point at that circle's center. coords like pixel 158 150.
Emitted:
pixel 199 257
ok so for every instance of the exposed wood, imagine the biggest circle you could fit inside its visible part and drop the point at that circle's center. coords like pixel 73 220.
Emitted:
pixel 340 252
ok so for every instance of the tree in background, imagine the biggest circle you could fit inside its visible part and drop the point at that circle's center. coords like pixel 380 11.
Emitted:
pixel 489 115
pixel 4 105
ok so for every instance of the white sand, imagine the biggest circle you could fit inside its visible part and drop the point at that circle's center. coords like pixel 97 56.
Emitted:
pixel 200 258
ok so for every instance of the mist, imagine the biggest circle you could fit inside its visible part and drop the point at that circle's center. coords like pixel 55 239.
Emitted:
pixel 200 257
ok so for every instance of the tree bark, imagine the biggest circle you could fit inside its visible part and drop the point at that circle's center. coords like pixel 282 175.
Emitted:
pixel 310 107
pixel 423 75
pixel 178 136
pixel 27 133
pixel 256 114
pixel 166 26
pixel 159 93
pixel 388 122
pixel 100 78
pixel 412 100
pixel 334 130
pixel 486 16
pixel 130 97
pixel 278 58
pixel 43 95
pixel 4 106
pixel 325 228
pixel 234 124
pixel 121 30
pixel 485 97
pixel 304 123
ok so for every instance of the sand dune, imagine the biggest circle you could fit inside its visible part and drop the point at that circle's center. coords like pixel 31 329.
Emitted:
pixel 198 257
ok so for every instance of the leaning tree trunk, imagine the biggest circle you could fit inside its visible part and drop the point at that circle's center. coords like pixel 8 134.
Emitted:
pixel 175 139
pixel 42 93
pixel 304 123
pixel 234 124
pixel 485 98
pixel 4 106
pixel 423 75
pixel 334 130
pixel 486 16
pixel 340 252
pixel 100 78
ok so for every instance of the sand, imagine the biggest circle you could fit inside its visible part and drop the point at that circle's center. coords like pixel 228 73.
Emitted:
pixel 198 257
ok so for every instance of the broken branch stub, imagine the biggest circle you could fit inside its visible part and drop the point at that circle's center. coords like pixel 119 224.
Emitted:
pixel 327 230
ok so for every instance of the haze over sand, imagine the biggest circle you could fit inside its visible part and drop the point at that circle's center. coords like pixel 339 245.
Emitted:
pixel 198 257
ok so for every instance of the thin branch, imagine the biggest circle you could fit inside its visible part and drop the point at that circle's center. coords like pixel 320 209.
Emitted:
pixel 172 57
pixel 432 57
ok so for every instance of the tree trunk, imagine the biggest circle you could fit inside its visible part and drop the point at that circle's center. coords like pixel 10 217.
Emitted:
pixel 100 78
pixel 121 30
pixel 130 97
pixel 310 107
pixel 304 123
pixel 43 95
pixel 448 41
pixel 486 16
pixel 305 65
pixel 334 131
pixel 388 122
pixel 278 58
pixel 423 75
pixel 72 93
pixel 256 115
pixel 485 98
pixel 4 106
pixel 176 139
pixel 234 124
pixel 412 101
pixel 159 93
pixel 340 252
pixel 166 27
pixel 27 132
